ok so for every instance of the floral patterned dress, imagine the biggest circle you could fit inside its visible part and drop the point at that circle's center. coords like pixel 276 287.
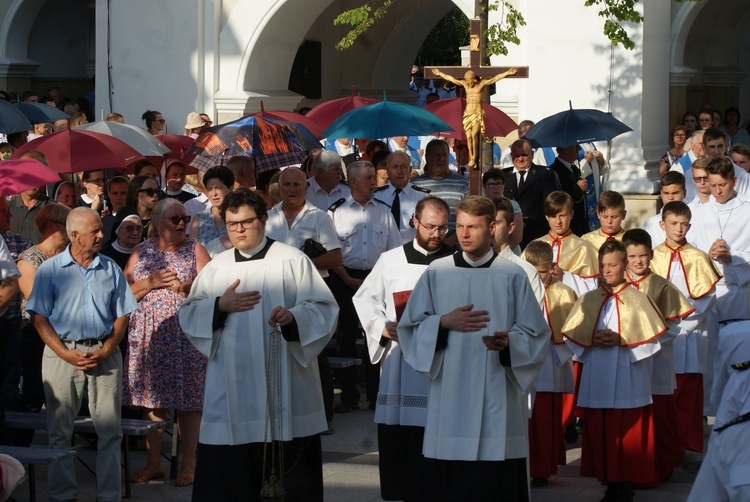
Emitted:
pixel 163 369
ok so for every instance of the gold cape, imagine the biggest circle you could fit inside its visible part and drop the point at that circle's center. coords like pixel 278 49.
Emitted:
pixel 701 274
pixel 470 119
pixel 599 237
pixel 639 319
pixel 558 302
pixel 575 255
pixel 666 296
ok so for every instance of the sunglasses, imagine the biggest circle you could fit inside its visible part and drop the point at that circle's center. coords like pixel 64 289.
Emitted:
pixel 148 191
pixel 177 219
pixel 160 121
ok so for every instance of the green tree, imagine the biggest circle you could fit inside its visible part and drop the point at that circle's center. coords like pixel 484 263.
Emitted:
pixel 617 15
pixel 441 47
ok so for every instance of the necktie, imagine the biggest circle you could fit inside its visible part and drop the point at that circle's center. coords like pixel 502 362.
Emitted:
pixel 396 208
pixel 523 177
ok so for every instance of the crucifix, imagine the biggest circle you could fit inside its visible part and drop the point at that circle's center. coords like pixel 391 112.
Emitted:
pixel 473 79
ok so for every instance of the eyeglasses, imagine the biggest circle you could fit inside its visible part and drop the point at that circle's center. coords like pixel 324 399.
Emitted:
pixel 443 229
pixel 680 135
pixel 96 181
pixel 494 185
pixel 162 121
pixel 519 155
pixel 148 191
pixel 177 219
pixel 700 179
pixel 233 226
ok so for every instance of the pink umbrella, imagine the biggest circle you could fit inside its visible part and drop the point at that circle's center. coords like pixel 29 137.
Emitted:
pixel 295 118
pixel 327 112
pixel 20 175
pixel 496 122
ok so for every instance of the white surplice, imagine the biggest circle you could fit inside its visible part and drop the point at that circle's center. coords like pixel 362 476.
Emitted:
pixel 477 407
pixel 402 395
pixel 234 408
pixel 712 221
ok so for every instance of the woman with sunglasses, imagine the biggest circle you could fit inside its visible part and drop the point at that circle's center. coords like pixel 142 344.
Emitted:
pixel 208 224
pixel 162 369
pixel 143 194
pixel 154 121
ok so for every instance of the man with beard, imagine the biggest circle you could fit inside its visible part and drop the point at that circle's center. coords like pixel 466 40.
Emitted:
pixel 401 410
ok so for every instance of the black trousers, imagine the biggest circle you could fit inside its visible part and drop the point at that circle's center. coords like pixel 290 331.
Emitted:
pixel 403 468
pixel 480 481
pixel 347 334
pixel 234 473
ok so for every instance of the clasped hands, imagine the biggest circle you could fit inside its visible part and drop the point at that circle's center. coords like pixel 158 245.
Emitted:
pixel 720 251
pixel 466 320
pixel 606 338
pixel 232 301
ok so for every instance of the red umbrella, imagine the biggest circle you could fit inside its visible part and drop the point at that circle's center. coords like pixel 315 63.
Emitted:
pixel 178 146
pixel 327 112
pixel 72 151
pixel 19 175
pixel 496 122
pixel 295 118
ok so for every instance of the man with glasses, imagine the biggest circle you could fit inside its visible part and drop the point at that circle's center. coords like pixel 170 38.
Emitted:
pixel 401 195
pixel 261 341
pixel 529 184
pixel 401 410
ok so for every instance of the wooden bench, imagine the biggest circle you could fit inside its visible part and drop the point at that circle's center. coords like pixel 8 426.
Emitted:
pixel 85 425
pixel 33 456
pixel 338 363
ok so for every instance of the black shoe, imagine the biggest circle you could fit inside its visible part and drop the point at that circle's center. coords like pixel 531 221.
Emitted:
pixel 345 407
pixel 328 431
pixel 571 433
pixel 625 492
pixel 539 482
pixel 611 494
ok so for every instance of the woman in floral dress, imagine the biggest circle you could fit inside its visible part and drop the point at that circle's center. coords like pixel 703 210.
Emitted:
pixel 162 369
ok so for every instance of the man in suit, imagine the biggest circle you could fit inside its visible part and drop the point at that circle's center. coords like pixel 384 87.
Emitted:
pixel 571 182
pixel 529 184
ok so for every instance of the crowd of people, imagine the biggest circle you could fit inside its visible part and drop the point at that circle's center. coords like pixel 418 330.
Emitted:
pixel 496 327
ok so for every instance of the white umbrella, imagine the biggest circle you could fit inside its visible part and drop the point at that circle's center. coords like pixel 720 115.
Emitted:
pixel 138 139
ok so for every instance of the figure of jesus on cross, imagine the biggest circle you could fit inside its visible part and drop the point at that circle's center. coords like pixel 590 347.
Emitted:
pixel 473 120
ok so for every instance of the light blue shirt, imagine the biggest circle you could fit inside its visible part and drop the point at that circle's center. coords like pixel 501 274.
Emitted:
pixel 81 303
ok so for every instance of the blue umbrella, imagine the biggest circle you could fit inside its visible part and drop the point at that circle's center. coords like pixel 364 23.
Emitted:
pixel 573 127
pixel 385 120
pixel 12 120
pixel 40 113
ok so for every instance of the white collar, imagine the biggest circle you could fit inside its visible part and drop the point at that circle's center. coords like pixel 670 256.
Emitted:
pixel 256 250
pixel 481 261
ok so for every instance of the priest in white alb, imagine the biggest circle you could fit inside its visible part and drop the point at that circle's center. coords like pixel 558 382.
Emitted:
pixel 401 409
pixel 261 313
pixel 474 327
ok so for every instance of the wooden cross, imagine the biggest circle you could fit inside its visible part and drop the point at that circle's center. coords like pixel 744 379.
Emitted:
pixel 476 52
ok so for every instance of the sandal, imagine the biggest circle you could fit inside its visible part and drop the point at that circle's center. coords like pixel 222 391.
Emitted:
pixel 184 480
pixel 147 475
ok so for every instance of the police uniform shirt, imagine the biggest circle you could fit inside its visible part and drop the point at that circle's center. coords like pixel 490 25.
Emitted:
pixel 409 196
pixel 322 200
pixel 364 232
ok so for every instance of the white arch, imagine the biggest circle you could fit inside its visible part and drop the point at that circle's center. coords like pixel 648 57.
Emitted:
pixel 680 29
pixel 16 26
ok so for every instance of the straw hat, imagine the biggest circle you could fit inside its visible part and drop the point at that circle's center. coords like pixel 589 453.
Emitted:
pixel 194 120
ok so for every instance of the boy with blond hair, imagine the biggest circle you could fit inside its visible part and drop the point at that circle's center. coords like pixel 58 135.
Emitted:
pixel 610 209
pixel 614 330
pixel 554 382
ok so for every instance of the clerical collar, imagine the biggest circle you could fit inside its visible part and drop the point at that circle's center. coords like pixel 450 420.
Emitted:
pixel 85 198
pixel 258 253
pixel 481 261
pixel 172 193
pixel 417 255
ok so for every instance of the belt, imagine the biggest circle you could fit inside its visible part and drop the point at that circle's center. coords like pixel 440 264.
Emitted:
pixel 89 342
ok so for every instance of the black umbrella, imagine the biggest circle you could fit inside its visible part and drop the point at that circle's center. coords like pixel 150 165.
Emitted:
pixel 573 127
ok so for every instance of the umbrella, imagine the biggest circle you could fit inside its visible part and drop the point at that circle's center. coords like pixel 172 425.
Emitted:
pixel 176 143
pixel 496 122
pixel 12 120
pixel 271 144
pixel 295 118
pixel 39 113
pixel 385 120
pixel 72 151
pixel 19 175
pixel 325 113
pixel 138 139
pixel 573 127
